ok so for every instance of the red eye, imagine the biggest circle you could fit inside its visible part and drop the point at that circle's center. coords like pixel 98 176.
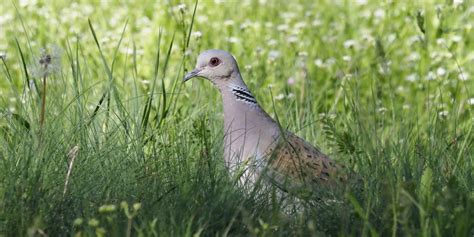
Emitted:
pixel 214 62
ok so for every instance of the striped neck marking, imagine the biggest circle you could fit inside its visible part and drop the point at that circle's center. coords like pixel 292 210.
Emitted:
pixel 244 95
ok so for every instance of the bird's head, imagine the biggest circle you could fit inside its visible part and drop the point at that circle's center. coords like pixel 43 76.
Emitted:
pixel 217 66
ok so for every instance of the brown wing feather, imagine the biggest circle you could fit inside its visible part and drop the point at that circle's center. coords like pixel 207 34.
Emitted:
pixel 301 163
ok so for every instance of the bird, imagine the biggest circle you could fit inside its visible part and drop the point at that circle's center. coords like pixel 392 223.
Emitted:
pixel 256 146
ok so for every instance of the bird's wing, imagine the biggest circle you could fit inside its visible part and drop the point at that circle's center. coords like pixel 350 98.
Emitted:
pixel 299 163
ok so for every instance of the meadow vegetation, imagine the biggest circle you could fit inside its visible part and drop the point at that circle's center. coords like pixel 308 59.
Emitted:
pixel 122 147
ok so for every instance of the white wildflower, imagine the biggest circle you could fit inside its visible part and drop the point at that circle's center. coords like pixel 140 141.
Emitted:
pixel 367 36
pixel 288 15
pixel 412 77
pixel 274 54
pixel 468 26
pixel 272 42
pixel 87 9
pixel 464 76
pixel 126 50
pixel 318 62
pixel 188 52
pixel 350 43
pixel 379 14
pixel 202 18
pixel 414 56
pixel 413 39
pixel 366 14
pixel 228 22
pixel 346 58
pixel 382 110
pixel 303 54
pixel 470 101
pixel 245 24
pixel 441 71
pixel 330 62
pixel 300 25
pixel 456 38
pixel 24 3
pixel 181 7
pixel 435 55
pixel 400 89
pixel 269 24
pixel 457 2
pixel 317 22
pixel 430 76
pixel 233 40
pixel 292 39
pixel 443 113
pixel 280 97
pixel 391 38
pixel 283 27
pixel 441 41
pixel 197 34
pixel 5 17
pixel 348 77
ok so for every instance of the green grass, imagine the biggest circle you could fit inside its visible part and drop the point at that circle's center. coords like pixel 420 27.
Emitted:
pixel 386 88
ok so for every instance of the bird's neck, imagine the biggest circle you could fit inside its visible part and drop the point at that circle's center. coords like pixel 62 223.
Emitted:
pixel 246 125
pixel 240 106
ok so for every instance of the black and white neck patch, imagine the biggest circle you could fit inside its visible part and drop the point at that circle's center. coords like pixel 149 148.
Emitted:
pixel 242 94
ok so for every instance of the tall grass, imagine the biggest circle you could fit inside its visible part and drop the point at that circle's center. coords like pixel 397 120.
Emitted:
pixel 127 149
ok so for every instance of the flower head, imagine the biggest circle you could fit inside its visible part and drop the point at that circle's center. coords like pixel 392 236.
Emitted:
pixel 197 34
pixel 273 55
pixel 180 8
pixel 48 62
pixel 470 101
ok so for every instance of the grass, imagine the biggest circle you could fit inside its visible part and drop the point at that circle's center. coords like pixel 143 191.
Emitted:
pixel 383 87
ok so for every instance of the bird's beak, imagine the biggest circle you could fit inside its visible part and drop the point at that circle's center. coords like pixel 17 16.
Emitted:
pixel 191 74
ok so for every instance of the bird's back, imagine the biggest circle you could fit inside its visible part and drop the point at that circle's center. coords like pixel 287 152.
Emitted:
pixel 295 162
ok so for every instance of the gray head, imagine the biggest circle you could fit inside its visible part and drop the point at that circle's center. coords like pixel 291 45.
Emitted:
pixel 215 65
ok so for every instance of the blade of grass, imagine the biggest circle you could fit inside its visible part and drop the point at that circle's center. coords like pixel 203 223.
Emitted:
pixel 191 25
pixel 182 60
pixel 107 68
pixel 109 72
pixel 23 63
pixel 164 111
pixel 149 100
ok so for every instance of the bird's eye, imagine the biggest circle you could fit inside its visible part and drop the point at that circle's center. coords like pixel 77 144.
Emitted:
pixel 214 62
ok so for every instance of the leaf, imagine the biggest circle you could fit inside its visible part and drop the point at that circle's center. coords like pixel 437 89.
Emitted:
pixel 420 20
pixel 426 184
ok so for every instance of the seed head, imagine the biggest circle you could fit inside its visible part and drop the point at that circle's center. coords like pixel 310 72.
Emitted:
pixel 3 55
pixel 48 62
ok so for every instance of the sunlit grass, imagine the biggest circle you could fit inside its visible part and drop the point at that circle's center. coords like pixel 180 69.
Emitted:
pixel 126 149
